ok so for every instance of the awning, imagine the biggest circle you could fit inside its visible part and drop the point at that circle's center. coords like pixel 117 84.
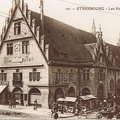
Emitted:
pixel 60 99
pixel 2 87
pixel 70 99
pixel 84 97
pixel 91 96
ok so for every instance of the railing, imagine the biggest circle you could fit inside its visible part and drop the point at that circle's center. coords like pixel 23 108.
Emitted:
pixel 17 83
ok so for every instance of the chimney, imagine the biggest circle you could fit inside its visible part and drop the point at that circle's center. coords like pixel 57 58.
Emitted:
pixel 94 28
pixel 42 16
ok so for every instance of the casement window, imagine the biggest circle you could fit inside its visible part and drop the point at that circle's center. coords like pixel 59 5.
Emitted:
pixel 71 76
pixel 34 76
pixel 17 76
pixel 3 76
pixel 17 28
pixel 86 75
pixel 101 75
pixel 59 76
pixel 25 47
pixel 9 48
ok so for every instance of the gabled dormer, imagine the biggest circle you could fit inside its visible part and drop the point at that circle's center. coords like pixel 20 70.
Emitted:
pixel 101 53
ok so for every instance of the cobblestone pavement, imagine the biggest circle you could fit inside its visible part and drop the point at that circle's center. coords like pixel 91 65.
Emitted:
pixel 27 112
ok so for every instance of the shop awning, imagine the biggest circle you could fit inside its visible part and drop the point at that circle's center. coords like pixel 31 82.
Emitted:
pixel 91 96
pixel 84 97
pixel 60 99
pixel 70 99
pixel 2 87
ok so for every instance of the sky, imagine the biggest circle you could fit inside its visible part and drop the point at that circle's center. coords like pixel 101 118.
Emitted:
pixel 72 12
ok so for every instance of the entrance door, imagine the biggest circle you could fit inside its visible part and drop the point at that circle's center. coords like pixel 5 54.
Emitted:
pixel 86 91
pixel 18 94
pixel 58 94
pixel 71 92
pixel 34 94
pixel 100 92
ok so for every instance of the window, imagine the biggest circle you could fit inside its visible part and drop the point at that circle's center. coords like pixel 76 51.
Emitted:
pixel 101 75
pixel 86 75
pixel 34 76
pixel 9 48
pixel 59 76
pixel 111 85
pixel 3 76
pixel 25 47
pixel 17 76
pixel 17 28
pixel 71 76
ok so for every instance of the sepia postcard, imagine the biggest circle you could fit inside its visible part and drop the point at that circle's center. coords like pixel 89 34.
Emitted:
pixel 59 59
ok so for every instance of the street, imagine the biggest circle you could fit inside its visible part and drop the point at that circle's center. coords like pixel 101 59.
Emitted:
pixel 27 112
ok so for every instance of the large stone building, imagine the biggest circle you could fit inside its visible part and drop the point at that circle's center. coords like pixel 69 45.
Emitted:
pixel 44 59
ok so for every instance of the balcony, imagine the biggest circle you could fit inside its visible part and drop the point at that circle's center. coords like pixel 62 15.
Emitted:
pixel 17 83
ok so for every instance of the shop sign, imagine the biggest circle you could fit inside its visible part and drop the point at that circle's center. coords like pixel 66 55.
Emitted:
pixel 18 59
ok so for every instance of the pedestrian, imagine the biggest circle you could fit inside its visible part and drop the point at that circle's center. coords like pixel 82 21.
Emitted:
pixel 10 103
pixel 55 115
pixel 35 104
pixel 19 102
pixel 53 108
pixel 62 109
pixel 14 103
pixel 105 103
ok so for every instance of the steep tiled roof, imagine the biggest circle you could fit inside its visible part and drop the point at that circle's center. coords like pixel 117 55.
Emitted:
pixel 66 40
pixel 115 52
pixel 69 45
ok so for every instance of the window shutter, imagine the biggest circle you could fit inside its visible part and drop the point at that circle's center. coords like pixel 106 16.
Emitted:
pixel 38 76
pixel 14 76
pixel 20 76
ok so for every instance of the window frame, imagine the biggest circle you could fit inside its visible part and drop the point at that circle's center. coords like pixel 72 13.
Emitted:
pixel 25 47
pixel 3 76
pixel 86 74
pixel 17 28
pixel 34 76
pixel 17 76
pixel 9 48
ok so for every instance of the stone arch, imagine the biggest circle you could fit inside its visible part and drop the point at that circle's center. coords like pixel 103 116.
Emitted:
pixel 58 94
pixel 101 92
pixel 86 91
pixel 17 93
pixel 71 92
pixel 34 93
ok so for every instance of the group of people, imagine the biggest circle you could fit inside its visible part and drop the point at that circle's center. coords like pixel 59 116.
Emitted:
pixel 13 102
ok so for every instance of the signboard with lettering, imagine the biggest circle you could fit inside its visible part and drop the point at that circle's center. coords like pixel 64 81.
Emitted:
pixel 18 59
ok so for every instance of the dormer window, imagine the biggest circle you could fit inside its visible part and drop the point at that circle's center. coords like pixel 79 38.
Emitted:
pixel 17 28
